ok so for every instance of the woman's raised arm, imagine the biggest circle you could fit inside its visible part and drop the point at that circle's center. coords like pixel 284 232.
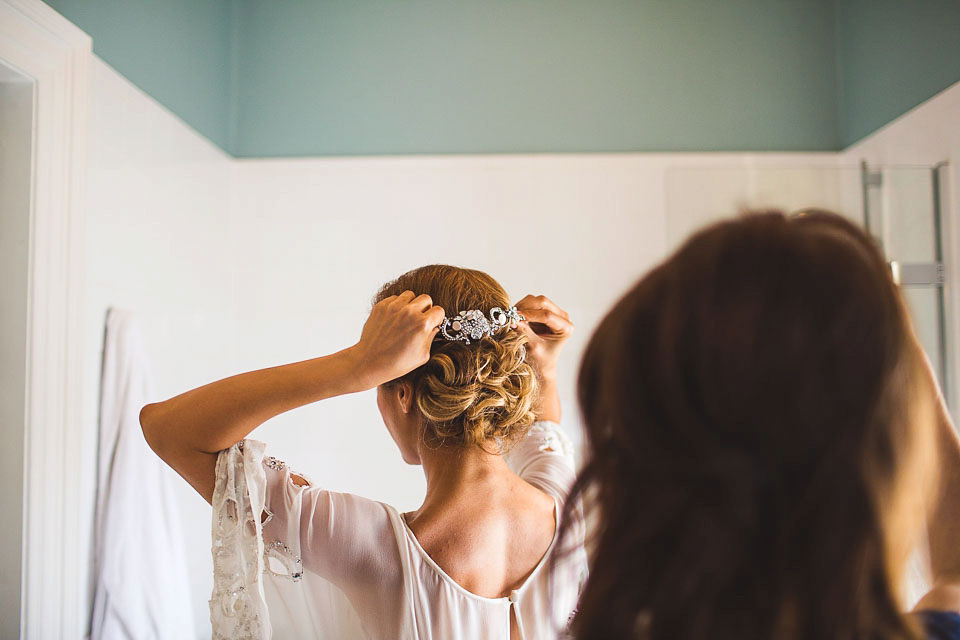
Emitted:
pixel 188 430
pixel 943 527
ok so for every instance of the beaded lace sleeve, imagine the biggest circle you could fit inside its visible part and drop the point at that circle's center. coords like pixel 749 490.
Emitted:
pixel 238 608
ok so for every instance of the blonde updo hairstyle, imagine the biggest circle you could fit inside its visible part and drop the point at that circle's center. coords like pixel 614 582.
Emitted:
pixel 480 393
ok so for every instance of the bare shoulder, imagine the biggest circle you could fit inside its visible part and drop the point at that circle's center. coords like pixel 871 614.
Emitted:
pixel 536 521
pixel 490 547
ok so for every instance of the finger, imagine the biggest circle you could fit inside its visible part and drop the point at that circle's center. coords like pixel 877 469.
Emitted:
pixel 554 321
pixel 435 316
pixel 532 336
pixel 542 302
pixel 403 298
pixel 550 305
pixel 527 300
pixel 422 302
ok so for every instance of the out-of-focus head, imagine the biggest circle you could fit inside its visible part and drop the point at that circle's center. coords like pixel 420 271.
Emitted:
pixel 477 394
pixel 759 439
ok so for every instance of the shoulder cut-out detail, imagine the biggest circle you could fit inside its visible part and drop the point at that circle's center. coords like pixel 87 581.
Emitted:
pixel 290 565
pixel 299 481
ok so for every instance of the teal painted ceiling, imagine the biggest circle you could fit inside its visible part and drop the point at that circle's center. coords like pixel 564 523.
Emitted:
pixel 356 77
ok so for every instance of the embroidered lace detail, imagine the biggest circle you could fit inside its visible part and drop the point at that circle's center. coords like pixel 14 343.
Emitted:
pixel 550 439
pixel 238 609
pixel 273 463
pixel 290 563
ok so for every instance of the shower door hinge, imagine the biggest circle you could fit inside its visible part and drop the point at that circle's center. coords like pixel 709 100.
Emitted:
pixel 922 274
pixel 872 178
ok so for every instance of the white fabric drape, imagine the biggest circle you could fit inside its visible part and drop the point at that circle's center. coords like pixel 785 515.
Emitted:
pixel 142 586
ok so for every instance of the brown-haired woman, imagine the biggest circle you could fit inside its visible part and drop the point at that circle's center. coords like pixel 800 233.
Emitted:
pixel 455 391
pixel 763 430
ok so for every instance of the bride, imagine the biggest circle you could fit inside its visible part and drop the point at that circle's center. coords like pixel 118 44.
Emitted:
pixel 466 386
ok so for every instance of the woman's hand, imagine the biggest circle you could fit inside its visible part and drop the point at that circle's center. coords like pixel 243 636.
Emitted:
pixel 548 327
pixel 396 338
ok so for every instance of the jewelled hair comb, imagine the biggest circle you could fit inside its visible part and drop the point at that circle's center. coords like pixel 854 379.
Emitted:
pixel 473 324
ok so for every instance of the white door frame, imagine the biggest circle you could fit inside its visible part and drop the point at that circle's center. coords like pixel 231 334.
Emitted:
pixel 40 43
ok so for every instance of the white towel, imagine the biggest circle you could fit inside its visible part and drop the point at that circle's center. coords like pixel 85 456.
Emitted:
pixel 142 587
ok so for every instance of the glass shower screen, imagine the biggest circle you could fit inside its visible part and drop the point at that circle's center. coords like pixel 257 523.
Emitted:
pixel 902 208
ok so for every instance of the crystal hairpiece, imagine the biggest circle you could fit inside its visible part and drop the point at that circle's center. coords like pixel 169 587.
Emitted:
pixel 472 324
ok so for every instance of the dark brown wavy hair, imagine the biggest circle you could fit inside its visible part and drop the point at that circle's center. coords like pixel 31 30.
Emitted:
pixel 477 394
pixel 748 408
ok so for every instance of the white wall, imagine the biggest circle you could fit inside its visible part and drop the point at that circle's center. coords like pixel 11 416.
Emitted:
pixel 157 243
pixel 319 236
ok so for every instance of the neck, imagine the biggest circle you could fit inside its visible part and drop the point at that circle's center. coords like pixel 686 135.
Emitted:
pixel 455 472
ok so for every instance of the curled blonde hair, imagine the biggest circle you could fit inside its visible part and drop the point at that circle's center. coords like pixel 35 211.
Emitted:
pixel 478 394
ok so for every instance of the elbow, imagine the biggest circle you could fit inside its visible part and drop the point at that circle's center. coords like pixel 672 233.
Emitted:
pixel 162 432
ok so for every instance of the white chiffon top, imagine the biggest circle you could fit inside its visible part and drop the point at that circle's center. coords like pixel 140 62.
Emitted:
pixel 335 565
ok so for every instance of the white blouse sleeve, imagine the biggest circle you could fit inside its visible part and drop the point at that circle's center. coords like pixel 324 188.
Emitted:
pixel 544 458
pixel 342 538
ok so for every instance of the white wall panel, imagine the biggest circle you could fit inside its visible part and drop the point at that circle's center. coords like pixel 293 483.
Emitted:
pixel 319 236
pixel 158 225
